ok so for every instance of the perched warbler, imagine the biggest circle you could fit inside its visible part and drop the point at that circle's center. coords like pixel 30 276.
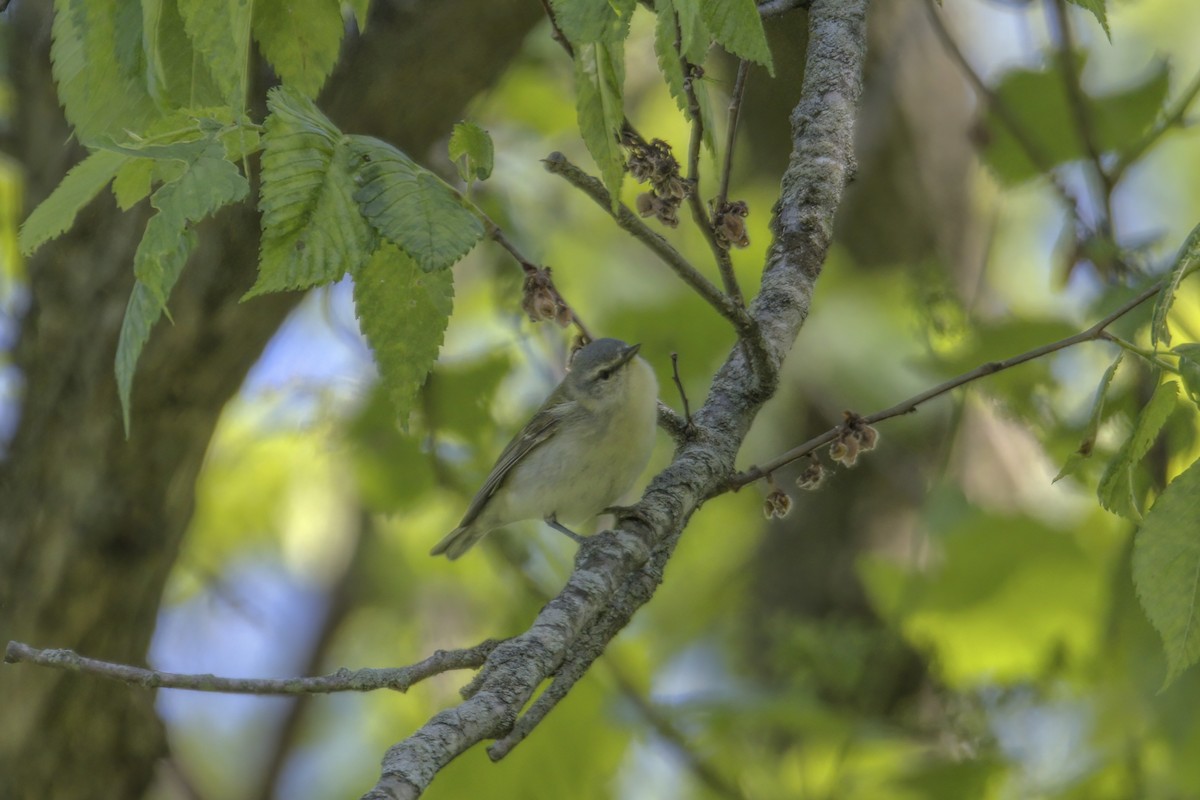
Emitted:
pixel 582 450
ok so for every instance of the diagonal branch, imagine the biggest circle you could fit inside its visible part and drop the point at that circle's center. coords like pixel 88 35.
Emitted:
pixel 1094 333
pixel 618 571
pixel 360 680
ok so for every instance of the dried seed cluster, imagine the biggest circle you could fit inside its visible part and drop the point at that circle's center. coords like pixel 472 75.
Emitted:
pixel 541 301
pixel 653 162
pixel 777 504
pixel 854 437
pixel 729 223
pixel 812 476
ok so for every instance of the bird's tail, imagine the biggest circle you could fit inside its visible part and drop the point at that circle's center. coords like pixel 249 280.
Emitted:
pixel 458 541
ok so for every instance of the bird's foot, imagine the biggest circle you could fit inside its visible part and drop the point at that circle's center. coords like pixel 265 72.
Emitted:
pixel 553 522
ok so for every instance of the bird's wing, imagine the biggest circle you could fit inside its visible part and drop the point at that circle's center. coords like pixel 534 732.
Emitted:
pixel 521 445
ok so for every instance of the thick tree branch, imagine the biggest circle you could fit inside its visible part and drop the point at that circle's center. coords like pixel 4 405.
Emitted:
pixel 617 571
pixel 400 679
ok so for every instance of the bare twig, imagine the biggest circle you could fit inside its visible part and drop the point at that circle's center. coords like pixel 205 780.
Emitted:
pixel 558 164
pixel 1077 101
pixel 910 405
pixel 703 222
pixel 687 411
pixel 557 34
pixel 735 108
pixel 344 680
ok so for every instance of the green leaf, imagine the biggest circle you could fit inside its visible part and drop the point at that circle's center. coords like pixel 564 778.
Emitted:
pixel 1099 11
pixel 591 21
pixel 313 232
pixel 143 310
pixel 1166 569
pixel 696 38
pixel 1093 425
pixel 736 26
pixel 96 62
pixel 472 152
pixel 1116 489
pixel 411 206
pixel 1186 263
pixel 1189 368
pixel 1039 102
pixel 300 38
pixel 672 70
pixel 221 32
pixel 599 81
pixel 56 213
pixel 176 75
pixel 403 311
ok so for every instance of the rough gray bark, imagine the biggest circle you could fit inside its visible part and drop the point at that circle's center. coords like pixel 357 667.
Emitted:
pixel 617 572
pixel 90 524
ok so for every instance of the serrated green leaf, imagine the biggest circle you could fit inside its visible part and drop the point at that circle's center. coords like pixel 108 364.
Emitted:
pixel 1116 491
pixel 313 232
pixel 1189 368
pixel 1093 425
pixel 403 311
pixel 132 182
pixel 1186 262
pixel 208 183
pixel 696 38
pixel 176 75
pixel 361 10
pixel 1098 11
pixel 410 206
pixel 145 308
pixel 672 70
pixel 1166 569
pixel 220 30
pixel 599 82
pixel 56 213
pixel 1038 101
pixel 472 152
pixel 300 38
pixel 736 26
pixel 96 60
pixel 591 21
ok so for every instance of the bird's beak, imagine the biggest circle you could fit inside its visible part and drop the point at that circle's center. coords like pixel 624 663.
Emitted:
pixel 630 352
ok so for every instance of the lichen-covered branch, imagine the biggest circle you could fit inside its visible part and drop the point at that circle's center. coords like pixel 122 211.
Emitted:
pixel 617 571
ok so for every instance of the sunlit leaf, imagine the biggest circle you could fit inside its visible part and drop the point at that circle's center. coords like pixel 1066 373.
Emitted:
pixel 1189 368
pixel 1166 569
pixel 672 69
pixel 590 21
pixel 410 206
pixel 1116 489
pixel 472 152
pixel 176 75
pixel 56 213
pixel 1088 442
pixel 220 30
pixel 403 311
pixel 96 56
pixel 736 26
pixel 1186 262
pixel 599 87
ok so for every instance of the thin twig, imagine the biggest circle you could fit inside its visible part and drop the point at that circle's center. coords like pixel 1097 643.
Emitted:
pixel 1174 116
pixel 687 411
pixel 557 34
pixel 558 164
pixel 344 680
pixel 735 109
pixel 1077 101
pixel 910 405
pixel 699 215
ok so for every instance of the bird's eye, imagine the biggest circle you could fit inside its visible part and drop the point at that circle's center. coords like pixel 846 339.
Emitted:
pixel 605 374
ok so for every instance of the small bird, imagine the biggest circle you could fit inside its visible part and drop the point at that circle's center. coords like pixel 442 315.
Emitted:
pixel 579 453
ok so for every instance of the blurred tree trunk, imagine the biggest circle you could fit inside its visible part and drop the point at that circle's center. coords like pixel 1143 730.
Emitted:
pixel 809 624
pixel 90 523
